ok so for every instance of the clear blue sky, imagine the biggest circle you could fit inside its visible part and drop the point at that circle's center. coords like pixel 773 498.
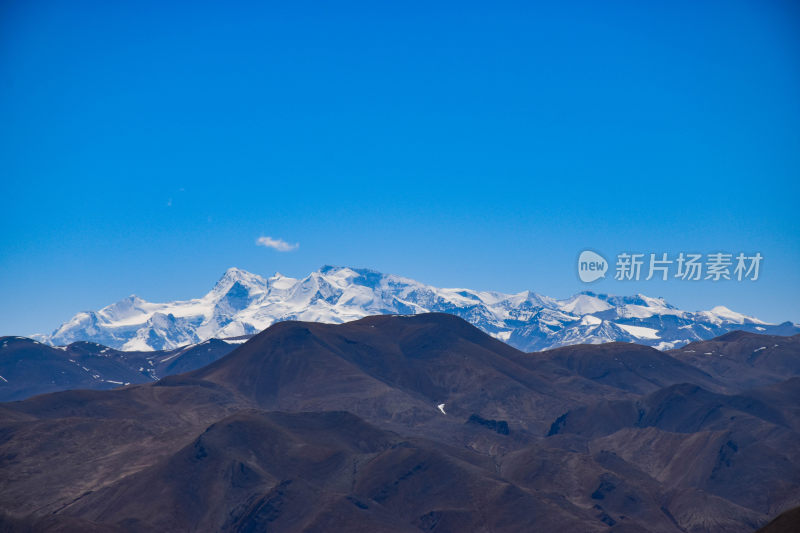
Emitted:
pixel 144 147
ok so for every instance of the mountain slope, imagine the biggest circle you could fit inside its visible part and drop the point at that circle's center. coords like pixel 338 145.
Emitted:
pixel 28 367
pixel 405 423
pixel 405 365
pixel 745 359
pixel 242 303
pixel 317 472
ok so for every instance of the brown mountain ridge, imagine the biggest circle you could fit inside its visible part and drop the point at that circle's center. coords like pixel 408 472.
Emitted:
pixel 413 423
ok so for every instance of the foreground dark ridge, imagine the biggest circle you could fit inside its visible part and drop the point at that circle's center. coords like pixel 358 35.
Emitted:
pixel 28 368
pixel 416 423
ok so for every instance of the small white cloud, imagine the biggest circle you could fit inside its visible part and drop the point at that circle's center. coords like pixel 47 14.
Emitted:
pixel 277 244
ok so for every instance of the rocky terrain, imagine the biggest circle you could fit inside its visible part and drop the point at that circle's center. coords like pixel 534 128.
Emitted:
pixel 418 423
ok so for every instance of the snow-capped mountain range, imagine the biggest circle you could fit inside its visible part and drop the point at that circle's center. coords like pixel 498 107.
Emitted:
pixel 242 303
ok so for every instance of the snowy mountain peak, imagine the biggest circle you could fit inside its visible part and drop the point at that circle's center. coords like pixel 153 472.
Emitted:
pixel 726 314
pixel 242 303
pixel 584 303
pixel 280 282
pixel 129 307
pixel 653 302
pixel 242 277
pixel 340 276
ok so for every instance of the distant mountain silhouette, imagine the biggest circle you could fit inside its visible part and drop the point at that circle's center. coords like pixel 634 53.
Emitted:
pixel 28 367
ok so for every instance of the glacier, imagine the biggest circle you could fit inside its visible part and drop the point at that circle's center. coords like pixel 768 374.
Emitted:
pixel 242 304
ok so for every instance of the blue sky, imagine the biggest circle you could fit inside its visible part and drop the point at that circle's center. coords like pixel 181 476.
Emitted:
pixel 144 148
